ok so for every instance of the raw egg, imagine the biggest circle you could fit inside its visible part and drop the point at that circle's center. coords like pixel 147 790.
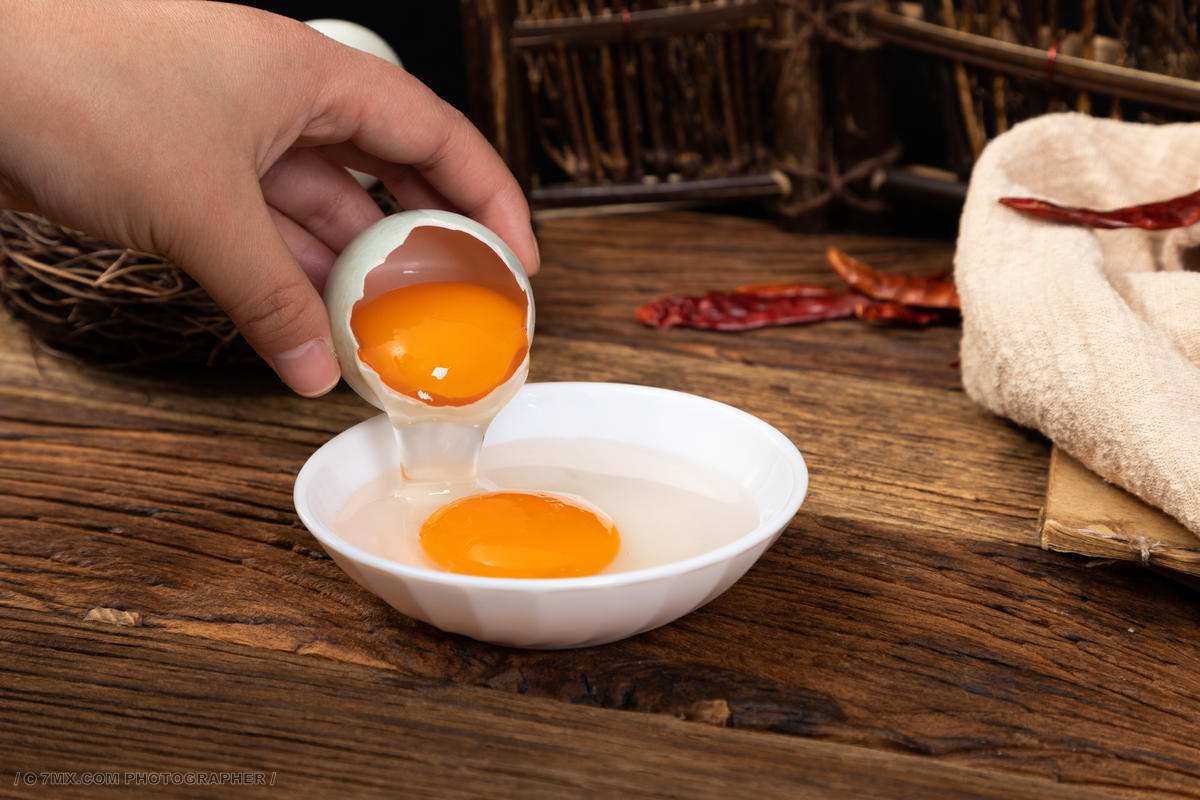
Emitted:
pixel 666 508
pixel 460 293
pixel 443 343
pixel 432 319
pixel 512 534
pixel 408 249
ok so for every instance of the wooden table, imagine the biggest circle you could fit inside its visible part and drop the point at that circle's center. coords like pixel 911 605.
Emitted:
pixel 163 613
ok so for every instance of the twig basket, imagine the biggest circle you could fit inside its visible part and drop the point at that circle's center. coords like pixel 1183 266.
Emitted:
pixel 597 102
pixel 89 298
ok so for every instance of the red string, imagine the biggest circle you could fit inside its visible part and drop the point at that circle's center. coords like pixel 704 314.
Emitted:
pixel 627 24
pixel 1051 57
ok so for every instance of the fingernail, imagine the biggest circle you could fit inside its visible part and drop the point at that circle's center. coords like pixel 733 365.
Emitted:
pixel 310 369
pixel 531 269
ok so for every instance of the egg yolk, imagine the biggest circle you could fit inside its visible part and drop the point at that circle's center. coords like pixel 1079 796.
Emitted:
pixel 510 534
pixel 446 343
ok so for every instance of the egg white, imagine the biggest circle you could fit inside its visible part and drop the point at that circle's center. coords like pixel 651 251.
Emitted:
pixel 436 442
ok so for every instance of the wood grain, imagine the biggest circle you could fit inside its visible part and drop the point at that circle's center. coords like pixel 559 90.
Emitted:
pixel 80 697
pixel 603 272
pixel 906 609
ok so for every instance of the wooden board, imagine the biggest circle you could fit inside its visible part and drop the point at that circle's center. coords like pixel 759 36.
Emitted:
pixel 153 704
pixel 1089 516
pixel 906 611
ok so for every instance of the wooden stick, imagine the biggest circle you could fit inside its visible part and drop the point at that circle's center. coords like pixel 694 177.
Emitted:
pixel 616 161
pixel 648 24
pixel 537 69
pixel 1083 103
pixel 753 45
pixel 723 85
pixel 740 113
pixel 628 67
pixel 795 107
pixel 1029 62
pixel 999 79
pixel 654 112
pixel 1122 49
pixel 574 118
pixel 575 74
pixel 770 184
pixel 676 107
pixel 702 89
pixel 976 137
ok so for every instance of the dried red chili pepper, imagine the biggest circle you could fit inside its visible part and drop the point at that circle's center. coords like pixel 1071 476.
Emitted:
pixel 742 310
pixel 1177 212
pixel 890 311
pixel 785 290
pixel 925 291
pixel 876 297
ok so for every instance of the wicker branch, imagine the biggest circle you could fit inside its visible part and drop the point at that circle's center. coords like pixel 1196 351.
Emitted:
pixel 86 297
pixel 649 24
pixel 1032 63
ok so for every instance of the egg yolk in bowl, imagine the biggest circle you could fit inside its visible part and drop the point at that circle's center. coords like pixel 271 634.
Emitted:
pixel 508 534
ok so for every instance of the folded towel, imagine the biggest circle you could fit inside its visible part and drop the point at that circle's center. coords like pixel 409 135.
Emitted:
pixel 1091 337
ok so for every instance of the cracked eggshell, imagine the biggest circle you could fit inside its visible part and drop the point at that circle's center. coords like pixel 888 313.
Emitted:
pixel 418 247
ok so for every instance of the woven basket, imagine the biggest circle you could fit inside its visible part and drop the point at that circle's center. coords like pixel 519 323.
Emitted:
pixel 990 64
pixel 89 298
pixel 608 102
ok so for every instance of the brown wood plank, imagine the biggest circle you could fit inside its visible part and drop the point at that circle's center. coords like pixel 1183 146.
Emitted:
pixel 600 273
pixel 80 697
pixel 904 609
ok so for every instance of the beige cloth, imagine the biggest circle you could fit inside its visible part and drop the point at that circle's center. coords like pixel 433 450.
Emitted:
pixel 1091 337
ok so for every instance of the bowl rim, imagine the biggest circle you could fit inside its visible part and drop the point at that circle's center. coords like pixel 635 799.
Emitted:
pixel 766 528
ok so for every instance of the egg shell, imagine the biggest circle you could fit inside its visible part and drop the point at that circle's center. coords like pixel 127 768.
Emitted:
pixel 444 259
pixel 357 36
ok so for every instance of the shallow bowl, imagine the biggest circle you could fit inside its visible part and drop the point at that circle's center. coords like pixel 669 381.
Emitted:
pixel 570 612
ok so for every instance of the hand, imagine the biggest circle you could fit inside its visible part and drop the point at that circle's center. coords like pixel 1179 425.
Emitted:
pixel 216 135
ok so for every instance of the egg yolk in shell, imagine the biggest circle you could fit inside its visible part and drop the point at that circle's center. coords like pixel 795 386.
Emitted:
pixel 445 343
pixel 508 534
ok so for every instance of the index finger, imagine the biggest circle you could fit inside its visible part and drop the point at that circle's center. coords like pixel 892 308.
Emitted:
pixel 387 114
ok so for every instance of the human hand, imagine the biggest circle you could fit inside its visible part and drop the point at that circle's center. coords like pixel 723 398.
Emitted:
pixel 216 135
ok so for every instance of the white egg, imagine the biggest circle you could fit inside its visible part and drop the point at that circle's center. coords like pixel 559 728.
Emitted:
pixel 362 38
pixel 436 441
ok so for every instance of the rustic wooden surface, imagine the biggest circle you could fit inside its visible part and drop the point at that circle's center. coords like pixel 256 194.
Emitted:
pixel 161 608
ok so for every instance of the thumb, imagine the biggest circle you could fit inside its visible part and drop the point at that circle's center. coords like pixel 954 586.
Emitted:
pixel 241 260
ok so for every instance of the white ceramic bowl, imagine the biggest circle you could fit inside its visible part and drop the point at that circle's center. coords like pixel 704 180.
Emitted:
pixel 570 612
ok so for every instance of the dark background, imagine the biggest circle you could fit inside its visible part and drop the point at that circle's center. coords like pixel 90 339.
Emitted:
pixel 426 36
